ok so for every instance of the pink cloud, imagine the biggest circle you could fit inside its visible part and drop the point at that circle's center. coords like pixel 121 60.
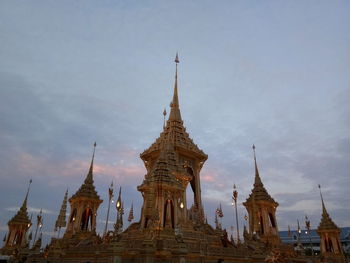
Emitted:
pixel 209 175
pixel 123 173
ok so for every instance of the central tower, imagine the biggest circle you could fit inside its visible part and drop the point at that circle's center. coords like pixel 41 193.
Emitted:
pixel 172 162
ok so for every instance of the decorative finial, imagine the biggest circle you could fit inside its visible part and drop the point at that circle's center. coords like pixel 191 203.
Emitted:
pixel 110 191
pixel 175 114
pixel 30 182
pixel 93 155
pixel 177 58
pixel 164 114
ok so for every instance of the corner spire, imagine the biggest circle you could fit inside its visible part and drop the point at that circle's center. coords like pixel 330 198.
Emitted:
pixel 257 181
pixel 324 210
pixel 89 177
pixel 61 219
pixel 24 205
pixel 131 213
pixel 326 221
pixel 22 214
pixel 175 114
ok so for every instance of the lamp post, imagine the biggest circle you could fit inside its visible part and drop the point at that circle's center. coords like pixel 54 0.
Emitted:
pixel 110 196
pixel 234 202
pixel 39 224
pixel 308 231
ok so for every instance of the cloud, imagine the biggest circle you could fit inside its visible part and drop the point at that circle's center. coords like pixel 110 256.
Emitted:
pixel 32 210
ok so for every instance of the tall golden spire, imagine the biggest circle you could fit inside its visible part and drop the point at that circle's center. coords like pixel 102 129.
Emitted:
pixel 175 114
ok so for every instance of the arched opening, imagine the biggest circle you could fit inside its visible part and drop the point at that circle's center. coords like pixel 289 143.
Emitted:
pixel 86 218
pixel 18 238
pixel 272 221
pixel 146 222
pixel 169 214
pixel 191 191
pixel 261 224
pixel 329 246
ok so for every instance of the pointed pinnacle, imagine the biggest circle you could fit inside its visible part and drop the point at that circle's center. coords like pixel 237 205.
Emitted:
pixel 177 58
pixel 24 205
pixel 257 176
pixel 175 111
pixel 89 177
pixel 324 210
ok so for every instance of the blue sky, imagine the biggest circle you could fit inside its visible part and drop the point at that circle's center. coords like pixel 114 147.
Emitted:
pixel 272 73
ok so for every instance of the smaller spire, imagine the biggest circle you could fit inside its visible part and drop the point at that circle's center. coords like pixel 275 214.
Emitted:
pixel 89 177
pixel 131 213
pixel 24 205
pixel 257 181
pixel 326 220
pixel 87 189
pixel 61 219
pixel 324 210
pixel 174 105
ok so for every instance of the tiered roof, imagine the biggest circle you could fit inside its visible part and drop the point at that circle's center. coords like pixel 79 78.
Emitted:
pixel 259 193
pixel 22 215
pixel 87 189
pixel 326 221
pixel 174 132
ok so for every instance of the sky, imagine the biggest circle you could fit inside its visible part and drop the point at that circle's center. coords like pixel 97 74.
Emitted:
pixel 271 73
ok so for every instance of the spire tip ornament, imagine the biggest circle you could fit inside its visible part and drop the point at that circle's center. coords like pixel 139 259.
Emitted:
pixel 177 58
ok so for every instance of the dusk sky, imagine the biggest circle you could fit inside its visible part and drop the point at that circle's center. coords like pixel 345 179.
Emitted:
pixel 271 73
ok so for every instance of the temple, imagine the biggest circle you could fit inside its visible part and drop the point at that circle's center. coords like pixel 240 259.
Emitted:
pixel 169 230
